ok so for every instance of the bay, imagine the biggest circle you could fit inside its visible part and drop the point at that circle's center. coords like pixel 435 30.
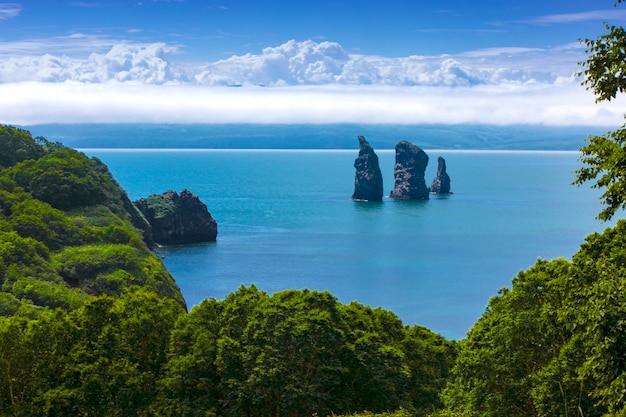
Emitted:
pixel 286 220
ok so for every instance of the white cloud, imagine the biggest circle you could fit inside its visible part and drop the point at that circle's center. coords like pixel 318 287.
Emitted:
pixel 9 10
pixel 71 102
pixel 88 4
pixel 598 15
pixel 292 63
pixel 305 82
pixel 76 44
pixel 123 62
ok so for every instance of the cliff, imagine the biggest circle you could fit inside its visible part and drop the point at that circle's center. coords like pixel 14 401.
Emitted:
pixel 178 218
pixel 69 230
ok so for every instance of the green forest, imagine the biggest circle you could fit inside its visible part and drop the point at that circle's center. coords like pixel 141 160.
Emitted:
pixel 92 324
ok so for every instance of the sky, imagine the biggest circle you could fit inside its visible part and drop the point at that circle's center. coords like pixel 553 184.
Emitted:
pixel 325 61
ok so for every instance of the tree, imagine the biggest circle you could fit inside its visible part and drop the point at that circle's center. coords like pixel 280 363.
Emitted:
pixel 512 361
pixel 595 308
pixel 18 145
pixel 605 155
pixel 114 355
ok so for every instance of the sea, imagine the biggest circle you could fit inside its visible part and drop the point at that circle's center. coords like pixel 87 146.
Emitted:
pixel 286 221
pixel 281 197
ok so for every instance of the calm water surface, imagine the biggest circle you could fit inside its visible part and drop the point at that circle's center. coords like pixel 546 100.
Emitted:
pixel 286 220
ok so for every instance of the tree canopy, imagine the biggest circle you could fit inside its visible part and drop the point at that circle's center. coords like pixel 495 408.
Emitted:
pixel 604 73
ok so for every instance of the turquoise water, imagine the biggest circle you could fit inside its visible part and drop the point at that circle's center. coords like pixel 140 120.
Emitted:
pixel 286 220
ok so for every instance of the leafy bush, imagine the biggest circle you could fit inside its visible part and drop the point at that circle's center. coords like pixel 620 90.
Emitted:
pixel 18 250
pixel 9 304
pixel 64 179
pixel 82 264
pixel 36 219
pixel 48 294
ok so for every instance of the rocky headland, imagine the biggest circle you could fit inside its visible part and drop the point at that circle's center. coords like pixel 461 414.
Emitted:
pixel 368 180
pixel 178 218
pixel 409 169
pixel 441 182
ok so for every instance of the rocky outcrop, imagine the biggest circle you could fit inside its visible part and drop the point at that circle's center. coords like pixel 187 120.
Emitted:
pixel 408 172
pixel 178 218
pixel 368 180
pixel 441 183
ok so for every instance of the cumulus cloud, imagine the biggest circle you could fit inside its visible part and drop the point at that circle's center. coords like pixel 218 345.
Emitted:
pixel 300 82
pixel 123 62
pixel 295 63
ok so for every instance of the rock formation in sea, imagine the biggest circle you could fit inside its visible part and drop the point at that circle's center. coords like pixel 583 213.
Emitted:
pixel 178 218
pixel 441 182
pixel 408 172
pixel 368 180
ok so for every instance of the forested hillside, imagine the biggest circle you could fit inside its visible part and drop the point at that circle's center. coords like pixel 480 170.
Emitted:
pixel 91 323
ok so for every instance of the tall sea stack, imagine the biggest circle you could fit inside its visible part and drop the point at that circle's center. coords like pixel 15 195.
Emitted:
pixel 441 183
pixel 368 180
pixel 408 172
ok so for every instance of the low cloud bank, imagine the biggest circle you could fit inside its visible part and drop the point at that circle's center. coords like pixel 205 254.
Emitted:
pixel 35 103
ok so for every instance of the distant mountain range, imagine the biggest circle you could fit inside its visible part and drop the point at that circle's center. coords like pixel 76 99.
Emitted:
pixel 316 136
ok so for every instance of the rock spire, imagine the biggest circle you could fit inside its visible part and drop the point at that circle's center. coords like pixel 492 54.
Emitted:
pixel 441 182
pixel 368 180
pixel 409 183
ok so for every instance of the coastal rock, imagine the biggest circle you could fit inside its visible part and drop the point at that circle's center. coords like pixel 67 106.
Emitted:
pixel 178 218
pixel 409 183
pixel 368 180
pixel 441 182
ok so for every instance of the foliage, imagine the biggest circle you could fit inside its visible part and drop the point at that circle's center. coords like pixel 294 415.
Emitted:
pixel 605 155
pixel 605 159
pixel 251 354
pixel 399 413
pixel 64 179
pixel 65 229
pixel 36 219
pixel 18 145
pixel 101 359
pixel 294 353
pixel 554 344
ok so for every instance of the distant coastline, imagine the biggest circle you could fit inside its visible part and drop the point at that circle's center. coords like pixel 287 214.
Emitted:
pixel 316 136
pixel 351 151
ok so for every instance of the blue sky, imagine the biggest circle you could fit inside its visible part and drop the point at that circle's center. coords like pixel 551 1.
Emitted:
pixel 211 30
pixel 490 61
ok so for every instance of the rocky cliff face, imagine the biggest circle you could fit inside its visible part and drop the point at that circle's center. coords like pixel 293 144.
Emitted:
pixel 368 180
pixel 178 218
pixel 409 183
pixel 441 182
